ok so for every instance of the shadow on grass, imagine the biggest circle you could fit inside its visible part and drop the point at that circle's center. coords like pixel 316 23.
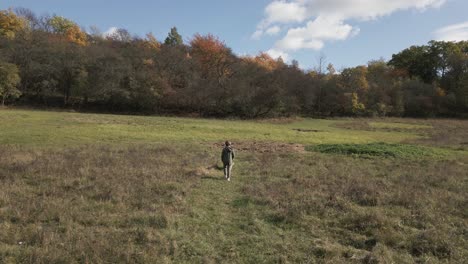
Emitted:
pixel 214 178
pixel 215 167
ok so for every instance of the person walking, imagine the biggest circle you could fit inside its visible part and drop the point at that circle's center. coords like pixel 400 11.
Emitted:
pixel 227 157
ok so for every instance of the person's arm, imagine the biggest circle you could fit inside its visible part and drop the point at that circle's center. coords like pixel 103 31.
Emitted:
pixel 233 155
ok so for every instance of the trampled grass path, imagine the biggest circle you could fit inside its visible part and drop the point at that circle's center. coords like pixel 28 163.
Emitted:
pixel 214 218
pixel 224 224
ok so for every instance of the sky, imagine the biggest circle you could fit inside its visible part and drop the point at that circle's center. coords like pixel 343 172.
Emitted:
pixel 346 33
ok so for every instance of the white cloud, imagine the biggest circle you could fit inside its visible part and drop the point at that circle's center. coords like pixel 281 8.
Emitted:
pixel 111 31
pixel 273 30
pixel 312 23
pixel 313 35
pixel 257 34
pixel 275 54
pixel 281 11
pixel 284 12
pixel 456 32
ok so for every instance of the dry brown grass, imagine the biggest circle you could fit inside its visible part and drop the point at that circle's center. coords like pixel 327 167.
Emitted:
pixel 447 133
pixel 141 204
pixel 92 204
pixel 385 211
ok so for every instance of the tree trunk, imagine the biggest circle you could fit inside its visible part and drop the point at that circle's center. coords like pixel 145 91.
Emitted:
pixel 67 95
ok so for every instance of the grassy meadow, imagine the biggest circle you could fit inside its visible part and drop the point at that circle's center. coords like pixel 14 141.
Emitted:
pixel 90 188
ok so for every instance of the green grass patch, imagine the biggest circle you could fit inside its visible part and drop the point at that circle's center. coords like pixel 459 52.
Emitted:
pixel 44 128
pixel 241 202
pixel 379 149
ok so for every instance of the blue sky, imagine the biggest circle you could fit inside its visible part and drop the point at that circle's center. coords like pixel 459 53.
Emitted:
pixel 346 32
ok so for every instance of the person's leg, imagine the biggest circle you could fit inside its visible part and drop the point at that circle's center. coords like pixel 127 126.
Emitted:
pixel 230 171
pixel 225 169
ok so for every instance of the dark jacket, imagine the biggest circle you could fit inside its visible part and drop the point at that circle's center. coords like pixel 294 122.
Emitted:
pixel 227 155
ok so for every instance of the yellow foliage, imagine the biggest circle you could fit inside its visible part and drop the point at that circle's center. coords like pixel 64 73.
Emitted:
pixel 148 62
pixel 440 92
pixel 10 23
pixel 151 42
pixel 357 107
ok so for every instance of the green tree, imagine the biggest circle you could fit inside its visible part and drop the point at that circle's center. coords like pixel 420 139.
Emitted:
pixel 417 62
pixel 458 80
pixel 429 62
pixel 9 80
pixel 60 24
pixel 174 38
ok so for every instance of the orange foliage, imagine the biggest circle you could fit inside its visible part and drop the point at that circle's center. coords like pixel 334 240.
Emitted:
pixel 76 35
pixel 211 53
pixel 265 61
pixel 209 44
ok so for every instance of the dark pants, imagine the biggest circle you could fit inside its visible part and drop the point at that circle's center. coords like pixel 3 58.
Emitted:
pixel 227 170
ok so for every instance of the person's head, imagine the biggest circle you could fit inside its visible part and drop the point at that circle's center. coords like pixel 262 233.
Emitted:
pixel 227 143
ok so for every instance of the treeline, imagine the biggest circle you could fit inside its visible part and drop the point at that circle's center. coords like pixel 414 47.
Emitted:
pixel 50 61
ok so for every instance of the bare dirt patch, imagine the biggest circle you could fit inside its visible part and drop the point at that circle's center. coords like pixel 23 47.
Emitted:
pixel 206 171
pixel 22 158
pixel 263 147
pixel 354 125
pixel 307 130
pixel 18 157
pixel 367 125
pixel 100 121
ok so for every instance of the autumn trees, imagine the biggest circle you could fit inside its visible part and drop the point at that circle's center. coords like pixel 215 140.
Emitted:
pixel 10 23
pixel 51 61
pixel 9 79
